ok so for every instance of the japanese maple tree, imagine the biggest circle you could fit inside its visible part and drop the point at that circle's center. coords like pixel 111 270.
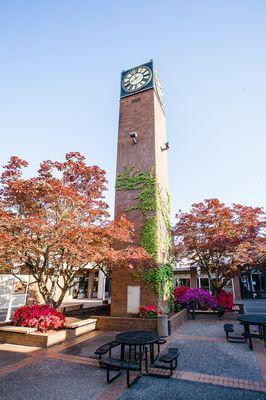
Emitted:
pixel 221 240
pixel 55 224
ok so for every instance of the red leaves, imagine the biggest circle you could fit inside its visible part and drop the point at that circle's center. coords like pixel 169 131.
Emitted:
pixel 57 222
pixel 13 169
pixel 218 238
pixel 53 211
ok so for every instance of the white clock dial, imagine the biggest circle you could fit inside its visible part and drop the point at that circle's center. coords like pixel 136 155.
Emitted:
pixel 136 79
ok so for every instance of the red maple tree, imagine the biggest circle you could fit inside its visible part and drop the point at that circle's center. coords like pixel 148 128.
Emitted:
pixel 221 240
pixel 55 224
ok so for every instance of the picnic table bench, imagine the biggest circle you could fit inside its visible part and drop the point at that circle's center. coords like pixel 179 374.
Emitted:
pixel 140 344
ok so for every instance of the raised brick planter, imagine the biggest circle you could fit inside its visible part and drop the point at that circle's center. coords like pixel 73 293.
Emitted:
pixel 106 323
pixel 210 315
pixel 12 335
pixel 177 320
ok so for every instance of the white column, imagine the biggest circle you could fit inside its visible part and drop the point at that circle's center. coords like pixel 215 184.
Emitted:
pixel 104 283
pixel 9 309
pixel 101 285
pixel 233 288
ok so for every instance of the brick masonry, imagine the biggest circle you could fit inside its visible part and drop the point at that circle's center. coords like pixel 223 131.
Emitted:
pixel 125 324
pixel 132 323
pixel 141 113
pixel 48 339
pixel 177 320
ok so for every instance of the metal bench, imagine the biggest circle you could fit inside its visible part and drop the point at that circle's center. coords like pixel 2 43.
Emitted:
pixel 250 335
pixel 229 328
pixel 106 348
pixel 160 342
pixel 166 360
pixel 113 364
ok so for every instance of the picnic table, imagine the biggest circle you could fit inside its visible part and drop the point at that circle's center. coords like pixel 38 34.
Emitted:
pixel 141 348
pixel 136 339
pixel 253 319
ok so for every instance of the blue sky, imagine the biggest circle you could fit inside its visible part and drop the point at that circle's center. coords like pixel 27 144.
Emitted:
pixel 60 64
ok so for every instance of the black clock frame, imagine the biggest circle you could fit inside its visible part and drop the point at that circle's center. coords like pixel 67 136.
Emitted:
pixel 150 85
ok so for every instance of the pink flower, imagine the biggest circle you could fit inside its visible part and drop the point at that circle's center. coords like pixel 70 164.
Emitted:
pixel 42 317
pixel 149 311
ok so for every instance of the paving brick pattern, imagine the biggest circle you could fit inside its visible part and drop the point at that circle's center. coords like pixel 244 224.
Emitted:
pixel 80 352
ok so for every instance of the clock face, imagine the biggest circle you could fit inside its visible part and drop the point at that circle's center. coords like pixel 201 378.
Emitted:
pixel 136 79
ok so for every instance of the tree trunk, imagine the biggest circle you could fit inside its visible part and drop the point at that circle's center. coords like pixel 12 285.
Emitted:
pixel 61 298
pixel 46 294
pixel 49 294
pixel 216 286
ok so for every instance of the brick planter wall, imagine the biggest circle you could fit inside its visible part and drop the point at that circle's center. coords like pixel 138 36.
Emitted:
pixel 214 317
pixel 50 338
pixel 177 320
pixel 105 323
pixel 130 323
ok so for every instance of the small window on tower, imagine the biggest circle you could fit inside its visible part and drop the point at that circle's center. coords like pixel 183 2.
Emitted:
pixel 136 100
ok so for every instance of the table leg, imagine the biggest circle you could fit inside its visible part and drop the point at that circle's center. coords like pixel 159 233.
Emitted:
pixel 122 356
pixel 140 359
pixel 146 359
pixel 247 330
pixel 135 352
pixel 264 333
pixel 152 352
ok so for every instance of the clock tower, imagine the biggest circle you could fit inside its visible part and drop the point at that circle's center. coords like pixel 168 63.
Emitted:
pixel 141 181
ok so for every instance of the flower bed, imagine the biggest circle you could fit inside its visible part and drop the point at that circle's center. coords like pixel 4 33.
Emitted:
pixel 41 317
pixel 30 337
pixel 225 300
pixel 197 300
pixel 194 298
pixel 149 312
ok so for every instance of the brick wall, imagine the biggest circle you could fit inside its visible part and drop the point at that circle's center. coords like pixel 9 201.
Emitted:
pixel 125 324
pixel 118 324
pixel 177 320
pixel 140 113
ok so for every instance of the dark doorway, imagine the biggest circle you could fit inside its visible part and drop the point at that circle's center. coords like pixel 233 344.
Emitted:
pixel 83 288
pixel 253 284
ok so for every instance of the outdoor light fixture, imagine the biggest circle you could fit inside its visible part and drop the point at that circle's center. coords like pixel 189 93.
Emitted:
pixel 133 136
pixel 166 146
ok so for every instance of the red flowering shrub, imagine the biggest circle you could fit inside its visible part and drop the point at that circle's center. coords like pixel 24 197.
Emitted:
pixel 180 291
pixel 42 317
pixel 149 312
pixel 225 299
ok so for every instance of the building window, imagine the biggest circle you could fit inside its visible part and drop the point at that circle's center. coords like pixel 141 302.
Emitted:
pixel 182 282
pixel 204 283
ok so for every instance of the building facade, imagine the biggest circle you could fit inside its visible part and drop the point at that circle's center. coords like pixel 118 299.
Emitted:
pixel 20 290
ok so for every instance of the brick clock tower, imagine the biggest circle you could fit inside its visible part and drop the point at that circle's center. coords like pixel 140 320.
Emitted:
pixel 141 181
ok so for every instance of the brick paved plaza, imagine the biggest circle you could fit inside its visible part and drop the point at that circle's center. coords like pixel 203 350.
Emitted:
pixel 208 368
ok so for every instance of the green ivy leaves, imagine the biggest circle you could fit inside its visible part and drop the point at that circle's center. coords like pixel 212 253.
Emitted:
pixel 150 203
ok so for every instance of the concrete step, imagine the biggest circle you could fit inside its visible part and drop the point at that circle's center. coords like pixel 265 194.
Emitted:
pixel 17 329
pixel 77 324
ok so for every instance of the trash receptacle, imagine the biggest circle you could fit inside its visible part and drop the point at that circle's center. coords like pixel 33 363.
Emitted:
pixel 162 325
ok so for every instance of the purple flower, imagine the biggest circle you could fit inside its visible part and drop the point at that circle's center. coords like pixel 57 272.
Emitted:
pixel 200 297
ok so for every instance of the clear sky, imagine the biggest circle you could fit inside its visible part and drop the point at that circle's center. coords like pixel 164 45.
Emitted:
pixel 60 64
